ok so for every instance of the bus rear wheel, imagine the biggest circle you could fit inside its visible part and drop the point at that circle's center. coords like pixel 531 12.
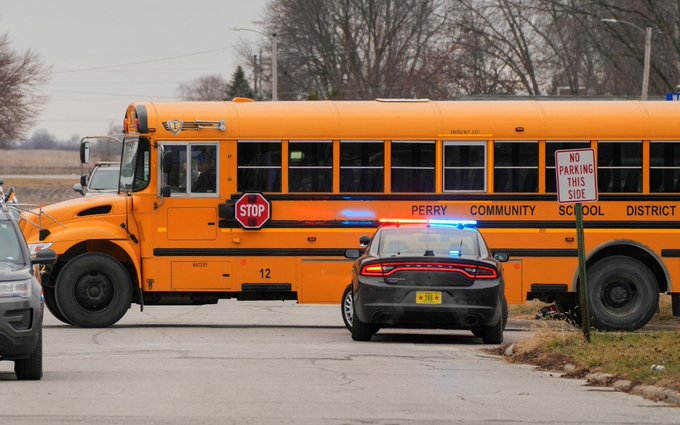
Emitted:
pixel 623 294
pixel 93 291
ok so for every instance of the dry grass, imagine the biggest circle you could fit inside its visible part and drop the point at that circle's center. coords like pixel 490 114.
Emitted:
pixel 38 161
pixel 42 191
pixel 625 355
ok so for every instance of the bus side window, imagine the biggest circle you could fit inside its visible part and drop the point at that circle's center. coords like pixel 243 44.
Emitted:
pixel 203 169
pixel 174 168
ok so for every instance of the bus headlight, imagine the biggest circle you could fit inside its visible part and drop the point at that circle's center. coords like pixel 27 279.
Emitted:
pixel 20 288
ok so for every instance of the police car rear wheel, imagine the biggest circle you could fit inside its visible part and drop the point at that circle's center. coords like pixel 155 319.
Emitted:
pixel 346 307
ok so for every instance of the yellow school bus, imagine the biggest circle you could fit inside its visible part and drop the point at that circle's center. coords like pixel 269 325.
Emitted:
pixel 311 178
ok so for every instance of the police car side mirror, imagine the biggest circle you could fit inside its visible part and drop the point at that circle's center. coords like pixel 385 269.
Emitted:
pixel 352 254
pixel 364 240
pixel 501 257
pixel 79 188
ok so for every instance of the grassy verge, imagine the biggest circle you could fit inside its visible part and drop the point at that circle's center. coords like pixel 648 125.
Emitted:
pixel 628 355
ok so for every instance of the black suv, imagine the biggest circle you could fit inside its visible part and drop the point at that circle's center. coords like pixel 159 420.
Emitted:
pixel 21 300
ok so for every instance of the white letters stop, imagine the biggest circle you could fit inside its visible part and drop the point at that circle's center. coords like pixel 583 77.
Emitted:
pixel 251 210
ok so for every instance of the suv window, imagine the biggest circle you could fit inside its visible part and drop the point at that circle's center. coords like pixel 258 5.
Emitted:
pixel 10 247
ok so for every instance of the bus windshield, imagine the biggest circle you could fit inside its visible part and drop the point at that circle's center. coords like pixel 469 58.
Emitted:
pixel 135 165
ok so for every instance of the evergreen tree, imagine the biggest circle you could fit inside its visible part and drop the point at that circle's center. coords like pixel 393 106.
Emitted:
pixel 239 86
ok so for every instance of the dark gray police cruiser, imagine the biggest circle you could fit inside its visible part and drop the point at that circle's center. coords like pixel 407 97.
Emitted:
pixel 21 302
pixel 426 274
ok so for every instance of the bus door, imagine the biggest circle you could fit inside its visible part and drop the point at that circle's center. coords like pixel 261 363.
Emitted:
pixel 187 239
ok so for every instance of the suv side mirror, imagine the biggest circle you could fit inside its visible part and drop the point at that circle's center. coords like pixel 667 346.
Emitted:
pixel 45 256
pixel 501 257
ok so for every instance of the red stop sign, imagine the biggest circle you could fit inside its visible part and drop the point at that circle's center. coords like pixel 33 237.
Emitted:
pixel 252 210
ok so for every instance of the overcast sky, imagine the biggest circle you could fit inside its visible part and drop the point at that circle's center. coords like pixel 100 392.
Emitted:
pixel 106 54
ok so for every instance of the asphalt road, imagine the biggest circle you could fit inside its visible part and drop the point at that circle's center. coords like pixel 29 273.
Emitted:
pixel 281 363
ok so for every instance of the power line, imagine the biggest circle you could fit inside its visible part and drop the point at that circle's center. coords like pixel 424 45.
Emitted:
pixel 98 68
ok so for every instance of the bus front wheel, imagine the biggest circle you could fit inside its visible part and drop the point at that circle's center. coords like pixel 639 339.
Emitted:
pixel 623 294
pixel 51 303
pixel 93 291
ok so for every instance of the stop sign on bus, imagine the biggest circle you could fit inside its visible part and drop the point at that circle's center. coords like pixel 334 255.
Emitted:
pixel 252 210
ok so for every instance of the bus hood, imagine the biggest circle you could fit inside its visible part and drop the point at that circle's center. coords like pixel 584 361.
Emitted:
pixel 59 215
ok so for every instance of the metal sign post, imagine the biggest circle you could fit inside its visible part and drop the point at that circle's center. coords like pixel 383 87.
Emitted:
pixel 576 183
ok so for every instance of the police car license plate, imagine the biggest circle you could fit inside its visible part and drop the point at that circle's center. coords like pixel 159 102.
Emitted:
pixel 428 297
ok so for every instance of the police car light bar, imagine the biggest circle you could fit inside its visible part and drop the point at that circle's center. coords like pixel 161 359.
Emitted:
pixel 441 222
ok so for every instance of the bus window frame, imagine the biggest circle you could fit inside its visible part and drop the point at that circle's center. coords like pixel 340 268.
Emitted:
pixel 309 167
pixel 432 142
pixel 485 166
pixel 653 167
pixel 552 167
pixel 163 144
pixel 361 167
pixel 537 167
pixel 641 167
pixel 280 167
pixel 143 146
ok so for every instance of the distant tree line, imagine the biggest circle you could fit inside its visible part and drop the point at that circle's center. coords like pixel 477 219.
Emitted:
pixel 439 49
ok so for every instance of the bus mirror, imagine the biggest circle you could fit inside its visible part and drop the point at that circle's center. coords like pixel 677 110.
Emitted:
pixel 84 152
pixel 364 241
pixel 501 257
pixel 166 192
pixel 352 254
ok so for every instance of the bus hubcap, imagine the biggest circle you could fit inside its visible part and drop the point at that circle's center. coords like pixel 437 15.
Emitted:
pixel 619 294
pixel 93 291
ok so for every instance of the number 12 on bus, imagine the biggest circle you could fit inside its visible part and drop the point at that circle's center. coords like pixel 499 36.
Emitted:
pixel 260 200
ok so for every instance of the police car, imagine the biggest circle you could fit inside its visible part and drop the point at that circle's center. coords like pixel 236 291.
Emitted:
pixel 427 274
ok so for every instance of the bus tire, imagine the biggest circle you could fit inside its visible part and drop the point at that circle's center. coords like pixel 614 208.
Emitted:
pixel 346 308
pixel 623 294
pixel 93 291
pixel 51 303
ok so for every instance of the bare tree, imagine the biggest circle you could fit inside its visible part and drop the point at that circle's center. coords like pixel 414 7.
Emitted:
pixel 208 87
pixel 355 49
pixel 20 76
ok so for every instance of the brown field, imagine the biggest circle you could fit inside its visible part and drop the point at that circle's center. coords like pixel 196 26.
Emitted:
pixel 39 161
pixel 51 163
